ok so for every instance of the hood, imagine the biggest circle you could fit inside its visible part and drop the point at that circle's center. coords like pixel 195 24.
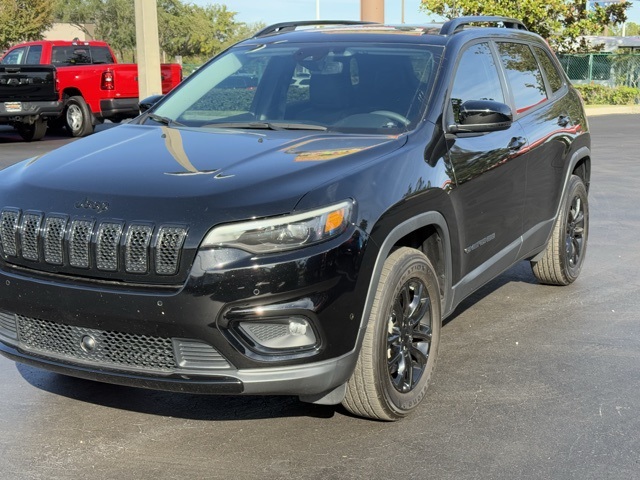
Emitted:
pixel 162 174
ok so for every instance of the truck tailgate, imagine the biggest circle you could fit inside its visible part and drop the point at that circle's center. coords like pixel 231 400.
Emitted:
pixel 28 83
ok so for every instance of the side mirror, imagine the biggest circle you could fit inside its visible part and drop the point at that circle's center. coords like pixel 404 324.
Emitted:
pixel 481 116
pixel 149 102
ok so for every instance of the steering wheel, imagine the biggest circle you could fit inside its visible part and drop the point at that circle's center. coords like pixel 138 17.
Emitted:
pixel 393 116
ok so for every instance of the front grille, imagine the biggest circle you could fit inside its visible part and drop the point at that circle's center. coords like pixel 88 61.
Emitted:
pixel 104 347
pixel 110 349
pixel 106 247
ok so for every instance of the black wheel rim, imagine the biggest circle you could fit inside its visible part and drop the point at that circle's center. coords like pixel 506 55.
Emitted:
pixel 574 238
pixel 409 336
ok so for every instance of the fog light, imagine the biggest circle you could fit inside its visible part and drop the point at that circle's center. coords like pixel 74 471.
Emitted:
pixel 281 334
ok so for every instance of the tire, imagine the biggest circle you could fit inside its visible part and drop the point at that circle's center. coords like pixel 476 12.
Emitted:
pixel 562 260
pixel 31 132
pixel 78 117
pixel 404 327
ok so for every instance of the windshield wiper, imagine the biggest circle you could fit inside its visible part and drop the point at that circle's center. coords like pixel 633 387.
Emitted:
pixel 267 126
pixel 164 120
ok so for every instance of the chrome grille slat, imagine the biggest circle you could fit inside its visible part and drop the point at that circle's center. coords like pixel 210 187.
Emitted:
pixel 8 228
pixel 170 241
pixel 8 325
pixel 107 245
pixel 137 248
pixel 54 230
pixel 194 354
pixel 30 235
pixel 79 241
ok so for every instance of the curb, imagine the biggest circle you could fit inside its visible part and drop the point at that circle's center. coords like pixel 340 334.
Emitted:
pixel 595 110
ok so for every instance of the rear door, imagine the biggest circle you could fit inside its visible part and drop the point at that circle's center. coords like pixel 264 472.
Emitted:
pixel 543 110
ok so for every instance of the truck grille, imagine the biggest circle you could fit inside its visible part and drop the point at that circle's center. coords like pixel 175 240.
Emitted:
pixel 109 348
pixel 108 246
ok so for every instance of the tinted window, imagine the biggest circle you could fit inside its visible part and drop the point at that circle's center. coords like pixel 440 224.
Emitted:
pixel 340 86
pixel 101 55
pixel 476 78
pixel 549 69
pixel 34 54
pixel 523 74
pixel 70 55
pixel 14 57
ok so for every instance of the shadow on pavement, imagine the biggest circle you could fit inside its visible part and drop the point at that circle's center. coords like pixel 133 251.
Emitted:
pixel 178 405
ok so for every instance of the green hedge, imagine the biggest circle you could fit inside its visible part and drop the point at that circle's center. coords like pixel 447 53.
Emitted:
pixel 595 94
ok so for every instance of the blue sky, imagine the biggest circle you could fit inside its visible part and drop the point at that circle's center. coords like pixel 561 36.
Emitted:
pixel 274 11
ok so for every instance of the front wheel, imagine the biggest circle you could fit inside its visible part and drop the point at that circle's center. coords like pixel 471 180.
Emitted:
pixel 400 345
pixel 562 260
pixel 78 117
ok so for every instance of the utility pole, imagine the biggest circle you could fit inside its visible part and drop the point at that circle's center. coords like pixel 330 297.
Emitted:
pixel 372 10
pixel 147 48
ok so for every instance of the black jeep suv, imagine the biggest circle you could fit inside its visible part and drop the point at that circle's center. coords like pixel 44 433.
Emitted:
pixel 295 237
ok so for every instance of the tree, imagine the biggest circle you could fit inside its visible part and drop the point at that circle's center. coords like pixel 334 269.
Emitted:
pixel 185 29
pixel 114 20
pixel 561 22
pixel 631 29
pixel 22 20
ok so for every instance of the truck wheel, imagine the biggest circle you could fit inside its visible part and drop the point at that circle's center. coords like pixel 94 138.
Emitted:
pixel 32 131
pixel 400 345
pixel 78 117
pixel 562 260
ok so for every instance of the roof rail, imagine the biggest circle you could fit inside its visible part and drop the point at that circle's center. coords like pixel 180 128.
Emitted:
pixel 456 24
pixel 290 26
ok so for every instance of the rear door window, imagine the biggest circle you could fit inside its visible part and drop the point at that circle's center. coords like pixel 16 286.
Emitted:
pixel 551 72
pixel 80 55
pixel 101 55
pixel 34 54
pixel 523 74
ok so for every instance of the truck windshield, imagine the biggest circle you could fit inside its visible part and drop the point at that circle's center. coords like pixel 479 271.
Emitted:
pixel 359 87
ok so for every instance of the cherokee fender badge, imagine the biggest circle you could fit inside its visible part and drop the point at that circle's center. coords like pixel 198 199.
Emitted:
pixel 479 243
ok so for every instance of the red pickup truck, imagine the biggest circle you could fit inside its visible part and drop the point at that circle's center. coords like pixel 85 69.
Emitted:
pixel 92 85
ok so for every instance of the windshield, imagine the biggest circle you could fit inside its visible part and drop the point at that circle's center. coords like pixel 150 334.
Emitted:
pixel 339 87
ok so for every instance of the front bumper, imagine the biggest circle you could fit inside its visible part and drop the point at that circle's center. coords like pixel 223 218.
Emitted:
pixel 186 337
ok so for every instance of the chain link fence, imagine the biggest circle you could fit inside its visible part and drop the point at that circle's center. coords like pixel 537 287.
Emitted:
pixel 611 70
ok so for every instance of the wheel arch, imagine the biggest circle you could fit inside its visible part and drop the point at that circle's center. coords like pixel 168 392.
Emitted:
pixel 427 232
pixel 71 92
pixel 582 168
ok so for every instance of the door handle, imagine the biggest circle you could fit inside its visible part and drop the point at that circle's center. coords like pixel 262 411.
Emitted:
pixel 564 120
pixel 516 143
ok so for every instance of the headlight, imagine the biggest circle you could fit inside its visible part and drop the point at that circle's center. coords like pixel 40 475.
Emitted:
pixel 283 233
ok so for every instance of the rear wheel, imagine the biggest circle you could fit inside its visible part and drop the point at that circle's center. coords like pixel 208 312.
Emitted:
pixel 563 258
pixel 32 131
pixel 400 346
pixel 78 117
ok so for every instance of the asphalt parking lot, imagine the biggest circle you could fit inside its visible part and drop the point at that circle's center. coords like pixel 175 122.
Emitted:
pixel 532 382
